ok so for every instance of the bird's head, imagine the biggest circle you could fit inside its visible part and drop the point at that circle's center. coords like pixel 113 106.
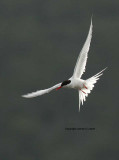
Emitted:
pixel 64 83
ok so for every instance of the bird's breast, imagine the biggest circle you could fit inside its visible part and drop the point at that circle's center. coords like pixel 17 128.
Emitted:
pixel 76 84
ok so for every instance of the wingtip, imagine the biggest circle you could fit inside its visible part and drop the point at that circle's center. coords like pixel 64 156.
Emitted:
pixel 92 20
pixel 91 17
pixel 104 68
pixel 91 25
pixel 24 96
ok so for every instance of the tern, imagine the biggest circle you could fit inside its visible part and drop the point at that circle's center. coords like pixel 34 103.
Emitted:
pixel 84 87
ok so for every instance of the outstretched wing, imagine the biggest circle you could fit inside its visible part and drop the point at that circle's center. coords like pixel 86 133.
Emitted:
pixel 82 59
pixel 41 92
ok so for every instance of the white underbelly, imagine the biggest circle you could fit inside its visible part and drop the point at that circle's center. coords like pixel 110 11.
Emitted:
pixel 77 83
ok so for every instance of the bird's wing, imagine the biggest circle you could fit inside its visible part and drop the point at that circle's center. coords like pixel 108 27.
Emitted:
pixel 41 92
pixel 82 59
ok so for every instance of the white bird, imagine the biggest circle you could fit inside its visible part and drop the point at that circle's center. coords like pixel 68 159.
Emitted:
pixel 84 87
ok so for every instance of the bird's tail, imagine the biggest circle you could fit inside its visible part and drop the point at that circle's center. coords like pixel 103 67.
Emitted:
pixel 88 86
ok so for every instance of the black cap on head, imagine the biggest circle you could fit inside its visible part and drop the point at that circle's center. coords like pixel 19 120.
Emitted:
pixel 65 83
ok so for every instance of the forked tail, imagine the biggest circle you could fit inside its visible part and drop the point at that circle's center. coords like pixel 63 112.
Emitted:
pixel 89 83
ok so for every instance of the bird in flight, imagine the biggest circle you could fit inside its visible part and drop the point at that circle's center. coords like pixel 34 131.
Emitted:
pixel 84 87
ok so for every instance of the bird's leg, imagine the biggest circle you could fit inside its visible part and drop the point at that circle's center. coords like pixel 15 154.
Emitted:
pixel 85 86
pixel 83 91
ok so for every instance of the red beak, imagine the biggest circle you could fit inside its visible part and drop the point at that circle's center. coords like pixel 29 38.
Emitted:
pixel 58 88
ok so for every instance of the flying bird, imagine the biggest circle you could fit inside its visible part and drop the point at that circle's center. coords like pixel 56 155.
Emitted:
pixel 84 87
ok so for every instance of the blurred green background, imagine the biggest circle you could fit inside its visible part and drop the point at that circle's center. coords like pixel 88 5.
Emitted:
pixel 39 45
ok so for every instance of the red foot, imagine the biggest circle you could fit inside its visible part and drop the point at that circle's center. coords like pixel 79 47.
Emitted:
pixel 85 87
pixel 83 91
